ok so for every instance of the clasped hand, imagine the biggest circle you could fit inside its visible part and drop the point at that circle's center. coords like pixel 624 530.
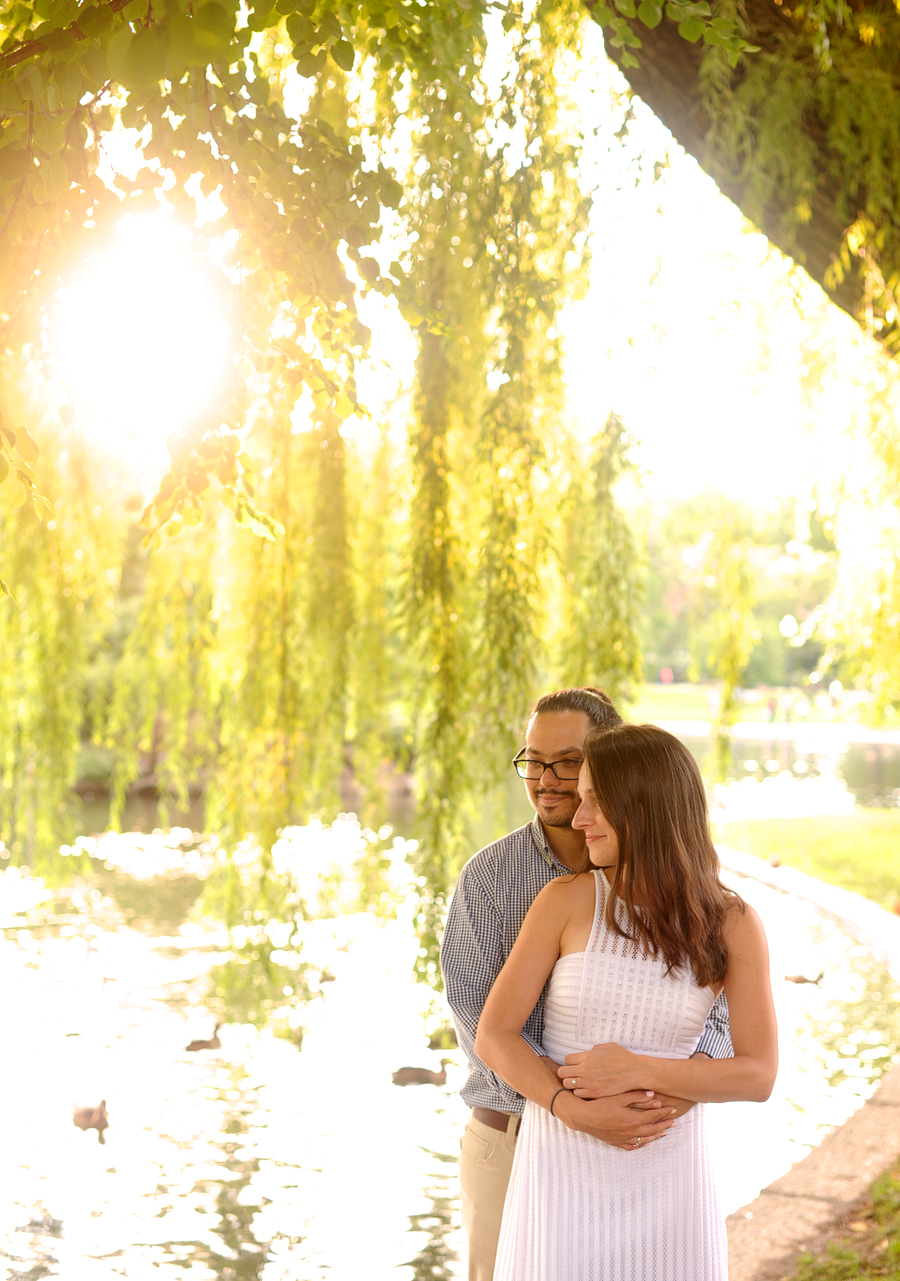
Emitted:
pixel 604 1070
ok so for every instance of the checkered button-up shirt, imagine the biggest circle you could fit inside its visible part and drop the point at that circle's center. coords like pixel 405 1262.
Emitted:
pixel 494 891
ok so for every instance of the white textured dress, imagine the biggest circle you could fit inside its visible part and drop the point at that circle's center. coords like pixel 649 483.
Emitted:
pixel 578 1209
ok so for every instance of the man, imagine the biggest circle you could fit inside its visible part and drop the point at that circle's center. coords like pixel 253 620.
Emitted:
pixel 493 894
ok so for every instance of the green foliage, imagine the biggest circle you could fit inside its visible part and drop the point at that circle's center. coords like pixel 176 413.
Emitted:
pixel 18 455
pixel 815 118
pixel 864 642
pixel 861 627
pixel 66 570
pixel 726 598
pixel 695 20
pixel 492 247
pixel 204 88
pixel 377 601
pixel 601 645
pixel 793 566
pixel 159 717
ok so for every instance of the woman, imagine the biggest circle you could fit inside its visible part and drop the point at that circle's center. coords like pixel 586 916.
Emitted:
pixel 636 947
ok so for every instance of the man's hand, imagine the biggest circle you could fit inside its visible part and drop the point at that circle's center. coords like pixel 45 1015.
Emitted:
pixel 619 1121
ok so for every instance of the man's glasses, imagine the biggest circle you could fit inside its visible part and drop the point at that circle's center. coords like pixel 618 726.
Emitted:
pixel 563 770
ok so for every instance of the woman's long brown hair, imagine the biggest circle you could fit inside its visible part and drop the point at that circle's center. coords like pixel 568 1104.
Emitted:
pixel 649 788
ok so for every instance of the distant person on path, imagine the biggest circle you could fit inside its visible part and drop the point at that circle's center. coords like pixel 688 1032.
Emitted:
pixel 636 948
pixel 493 894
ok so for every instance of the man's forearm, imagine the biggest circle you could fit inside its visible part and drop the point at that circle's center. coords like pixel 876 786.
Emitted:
pixel 618 1120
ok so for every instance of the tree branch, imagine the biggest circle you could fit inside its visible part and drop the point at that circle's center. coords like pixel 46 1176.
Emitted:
pixel 28 48
pixel 668 81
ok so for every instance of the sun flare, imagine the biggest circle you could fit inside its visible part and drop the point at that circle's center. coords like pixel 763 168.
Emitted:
pixel 141 336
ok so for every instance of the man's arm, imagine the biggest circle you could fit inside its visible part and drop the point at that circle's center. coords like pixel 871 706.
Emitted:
pixel 622 1118
pixel 471 954
pixel 715 1042
pixel 499 1041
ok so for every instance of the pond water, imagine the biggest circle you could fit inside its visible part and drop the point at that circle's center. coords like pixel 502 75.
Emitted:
pixel 286 1153
pixel 868 772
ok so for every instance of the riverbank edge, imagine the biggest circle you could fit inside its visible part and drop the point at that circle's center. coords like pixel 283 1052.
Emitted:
pixel 799 1211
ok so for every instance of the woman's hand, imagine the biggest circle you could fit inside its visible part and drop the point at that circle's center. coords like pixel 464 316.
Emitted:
pixel 601 1071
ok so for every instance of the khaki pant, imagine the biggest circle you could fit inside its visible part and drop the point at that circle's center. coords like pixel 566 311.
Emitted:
pixel 485 1163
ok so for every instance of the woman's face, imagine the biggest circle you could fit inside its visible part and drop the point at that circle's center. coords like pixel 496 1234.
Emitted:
pixel 602 841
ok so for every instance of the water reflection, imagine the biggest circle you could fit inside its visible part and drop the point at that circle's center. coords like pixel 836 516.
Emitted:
pixel 227 1198
pixel 35 1242
pixel 436 1258
pixel 853 1031
pixel 158 905
pixel 239 1162
pixel 870 772
pixel 255 986
pixel 257 1161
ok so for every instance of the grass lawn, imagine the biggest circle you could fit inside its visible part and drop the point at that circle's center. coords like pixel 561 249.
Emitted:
pixel 679 702
pixel 869 1246
pixel 682 701
pixel 859 851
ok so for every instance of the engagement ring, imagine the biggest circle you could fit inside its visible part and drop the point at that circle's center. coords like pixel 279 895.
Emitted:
pixel 637 1143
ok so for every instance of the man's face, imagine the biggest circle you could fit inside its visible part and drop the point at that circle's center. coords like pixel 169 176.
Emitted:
pixel 555 736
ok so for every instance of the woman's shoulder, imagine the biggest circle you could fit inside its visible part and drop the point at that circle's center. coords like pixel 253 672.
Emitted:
pixel 565 893
pixel 742 923
pixel 556 904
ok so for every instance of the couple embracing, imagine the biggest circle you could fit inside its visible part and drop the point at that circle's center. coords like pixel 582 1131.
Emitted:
pixel 587 959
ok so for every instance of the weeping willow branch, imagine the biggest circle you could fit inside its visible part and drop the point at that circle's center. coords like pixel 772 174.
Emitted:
pixel 401 616
pixel 726 640
pixel 601 645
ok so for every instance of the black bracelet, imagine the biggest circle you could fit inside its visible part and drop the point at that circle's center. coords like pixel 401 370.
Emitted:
pixel 560 1091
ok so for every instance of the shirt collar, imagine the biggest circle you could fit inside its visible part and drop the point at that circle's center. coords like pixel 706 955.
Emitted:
pixel 539 836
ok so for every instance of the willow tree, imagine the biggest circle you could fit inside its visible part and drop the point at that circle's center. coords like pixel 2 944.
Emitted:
pixel 315 598
pixel 602 592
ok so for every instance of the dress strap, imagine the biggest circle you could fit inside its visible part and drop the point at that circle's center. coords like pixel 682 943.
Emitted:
pixel 601 889
pixel 588 970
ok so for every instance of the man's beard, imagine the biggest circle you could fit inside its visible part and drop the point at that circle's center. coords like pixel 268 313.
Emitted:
pixel 558 819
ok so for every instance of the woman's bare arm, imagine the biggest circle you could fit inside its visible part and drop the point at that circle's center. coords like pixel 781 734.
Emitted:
pixel 515 994
pixel 750 1074
pixel 618 1120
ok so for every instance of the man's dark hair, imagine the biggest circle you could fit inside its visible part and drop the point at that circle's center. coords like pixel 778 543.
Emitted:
pixel 596 705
